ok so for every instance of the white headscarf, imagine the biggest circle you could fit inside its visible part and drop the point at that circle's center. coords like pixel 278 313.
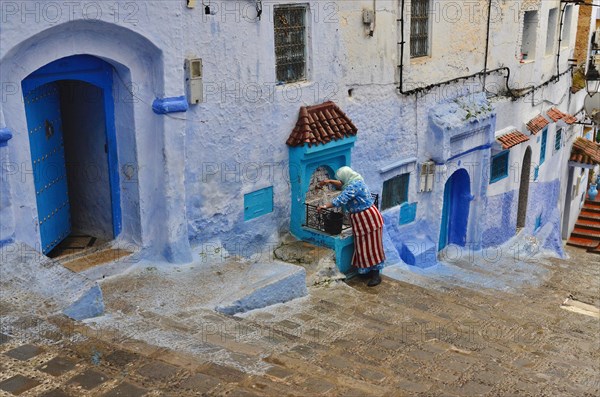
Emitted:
pixel 347 175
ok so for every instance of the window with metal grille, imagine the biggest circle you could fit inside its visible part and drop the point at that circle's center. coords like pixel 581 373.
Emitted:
pixel 499 167
pixel 419 28
pixel 558 139
pixel 543 146
pixel 395 191
pixel 290 43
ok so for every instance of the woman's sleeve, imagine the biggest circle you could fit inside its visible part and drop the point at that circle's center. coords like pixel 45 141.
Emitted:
pixel 342 199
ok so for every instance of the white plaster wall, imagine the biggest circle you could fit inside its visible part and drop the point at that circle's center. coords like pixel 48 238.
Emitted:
pixel 201 163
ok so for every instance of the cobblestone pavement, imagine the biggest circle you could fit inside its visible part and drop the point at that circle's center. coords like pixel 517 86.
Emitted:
pixel 343 340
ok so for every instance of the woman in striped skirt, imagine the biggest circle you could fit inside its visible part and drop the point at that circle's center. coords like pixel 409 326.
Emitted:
pixel 367 222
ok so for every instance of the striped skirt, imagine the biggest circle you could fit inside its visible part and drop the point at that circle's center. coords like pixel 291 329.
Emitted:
pixel 367 226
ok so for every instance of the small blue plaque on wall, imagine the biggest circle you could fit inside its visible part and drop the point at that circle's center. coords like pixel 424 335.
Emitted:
pixel 408 213
pixel 258 203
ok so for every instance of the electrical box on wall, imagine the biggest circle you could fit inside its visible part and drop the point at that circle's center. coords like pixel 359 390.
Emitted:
pixel 426 176
pixel 193 80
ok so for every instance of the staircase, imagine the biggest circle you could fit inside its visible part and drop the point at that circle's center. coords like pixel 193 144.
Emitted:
pixel 586 233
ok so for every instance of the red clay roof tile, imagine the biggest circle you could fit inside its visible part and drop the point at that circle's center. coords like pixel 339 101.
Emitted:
pixel 511 139
pixel 320 124
pixel 556 115
pixel 585 151
pixel 537 124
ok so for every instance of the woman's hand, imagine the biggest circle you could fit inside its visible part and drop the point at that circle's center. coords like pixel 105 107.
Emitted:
pixel 337 184
pixel 324 207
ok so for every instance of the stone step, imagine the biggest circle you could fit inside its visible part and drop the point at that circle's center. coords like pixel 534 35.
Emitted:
pixel 591 208
pixel 595 250
pixel 27 271
pixel 589 215
pixel 588 224
pixel 593 203
pixel 586 234
pixel 279 282
pixel 582 242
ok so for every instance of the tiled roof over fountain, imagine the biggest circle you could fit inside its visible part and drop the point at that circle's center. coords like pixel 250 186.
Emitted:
pixel 320 124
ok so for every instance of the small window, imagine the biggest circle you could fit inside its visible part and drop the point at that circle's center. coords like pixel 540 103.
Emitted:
pixel 529 36
pixel 567 21
pixel 543 146
pixel 395 191
pixel 290 43
pixel 499 168
pixel 552 27
pixel 419 28
pixel 558 139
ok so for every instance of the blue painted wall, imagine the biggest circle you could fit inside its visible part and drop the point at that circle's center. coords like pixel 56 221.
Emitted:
pixel 500 221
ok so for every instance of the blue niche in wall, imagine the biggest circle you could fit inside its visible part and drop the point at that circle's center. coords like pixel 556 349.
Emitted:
pixel 322 138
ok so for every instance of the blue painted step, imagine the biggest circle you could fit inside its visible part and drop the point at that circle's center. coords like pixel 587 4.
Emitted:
pixel 419 251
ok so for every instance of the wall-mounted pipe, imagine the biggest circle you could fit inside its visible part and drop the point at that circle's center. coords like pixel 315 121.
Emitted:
pixel 514 93
pixel 487 41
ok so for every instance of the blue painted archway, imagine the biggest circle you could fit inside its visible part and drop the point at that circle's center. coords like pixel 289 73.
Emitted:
pixel 455 212
pixel 41 98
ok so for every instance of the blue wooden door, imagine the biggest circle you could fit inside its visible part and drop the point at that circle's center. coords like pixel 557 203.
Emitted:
pixel 42 107
pixel 455 211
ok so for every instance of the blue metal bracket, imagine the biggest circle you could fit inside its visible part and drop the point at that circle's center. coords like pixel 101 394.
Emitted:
pixel 170 105
pixel 5 136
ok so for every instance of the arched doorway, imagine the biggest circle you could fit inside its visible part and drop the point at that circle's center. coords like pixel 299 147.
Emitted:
pixel 524 189
pixel 455 212
pixel 69 108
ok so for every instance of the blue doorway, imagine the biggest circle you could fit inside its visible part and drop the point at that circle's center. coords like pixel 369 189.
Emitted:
pixel 455 211
pixel 69 107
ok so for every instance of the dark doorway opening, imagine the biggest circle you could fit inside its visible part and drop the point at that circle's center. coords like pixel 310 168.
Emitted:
pixel 524 189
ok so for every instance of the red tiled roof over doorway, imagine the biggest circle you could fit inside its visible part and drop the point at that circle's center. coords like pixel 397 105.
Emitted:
pixel 556 115
pixel 537 124
pixel 320 124
pixel 585 151
pixel 512 139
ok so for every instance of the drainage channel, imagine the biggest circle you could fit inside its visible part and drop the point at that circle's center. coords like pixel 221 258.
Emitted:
pixel 573 305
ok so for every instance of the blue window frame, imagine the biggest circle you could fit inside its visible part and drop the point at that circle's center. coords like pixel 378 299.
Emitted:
pixel 558 139
pixel 499 166
pixel 543 147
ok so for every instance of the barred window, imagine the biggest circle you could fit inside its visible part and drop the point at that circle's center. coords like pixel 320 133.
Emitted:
pixel 499 166
pixel 419 28
pixel 558 139
pixel 395 191
pixel 290 43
